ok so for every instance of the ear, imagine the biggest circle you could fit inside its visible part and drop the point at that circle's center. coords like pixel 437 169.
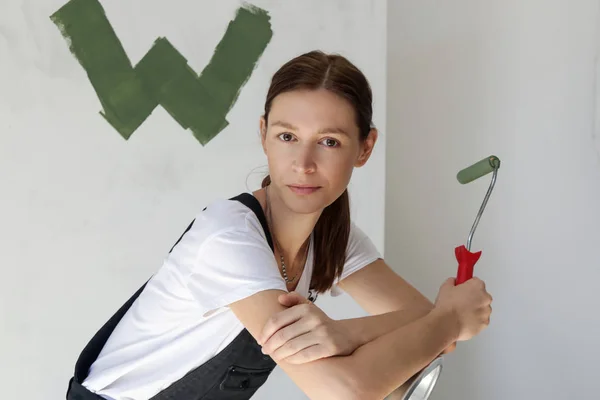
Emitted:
pixel 366 148
pixel 263 133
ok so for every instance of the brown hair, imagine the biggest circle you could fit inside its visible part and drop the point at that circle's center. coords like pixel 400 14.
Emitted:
pixel 317 70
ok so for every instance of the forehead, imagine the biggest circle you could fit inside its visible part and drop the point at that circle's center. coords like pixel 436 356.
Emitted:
pixel 313 109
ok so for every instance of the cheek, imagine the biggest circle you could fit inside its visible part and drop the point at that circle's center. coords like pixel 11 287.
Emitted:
pixel 336 167
pixel 279 162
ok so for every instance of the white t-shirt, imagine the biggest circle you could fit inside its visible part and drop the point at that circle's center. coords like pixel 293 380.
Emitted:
pixel 182 318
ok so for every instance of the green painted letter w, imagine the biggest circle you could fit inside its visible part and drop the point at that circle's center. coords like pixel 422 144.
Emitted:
pixel 129 94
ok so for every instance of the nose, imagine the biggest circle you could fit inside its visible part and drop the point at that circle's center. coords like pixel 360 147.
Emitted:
pixel 304 160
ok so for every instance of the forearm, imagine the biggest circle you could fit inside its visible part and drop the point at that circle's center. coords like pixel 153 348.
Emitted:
pixel 366 329
pixel 386 363
pixel 363 330
pixel 380 366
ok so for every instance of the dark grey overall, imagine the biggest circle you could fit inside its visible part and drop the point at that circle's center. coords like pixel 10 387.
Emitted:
pixel 236 373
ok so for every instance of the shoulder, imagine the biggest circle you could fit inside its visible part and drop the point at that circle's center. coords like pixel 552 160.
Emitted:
pixel 226 217
pixel 359 241
pixel 222 224
pixel 226 257
pixel 356 233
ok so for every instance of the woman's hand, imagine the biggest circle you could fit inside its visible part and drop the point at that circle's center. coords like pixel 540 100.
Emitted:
pixel 470 302
pixel 303 333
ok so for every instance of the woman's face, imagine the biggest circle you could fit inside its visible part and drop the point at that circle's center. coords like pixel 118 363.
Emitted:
pixel 312 146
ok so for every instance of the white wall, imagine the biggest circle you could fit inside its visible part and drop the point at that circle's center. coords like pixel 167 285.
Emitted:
pixel 467 79
pixel 86 217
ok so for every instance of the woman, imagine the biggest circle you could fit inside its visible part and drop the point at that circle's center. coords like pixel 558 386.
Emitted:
pixel 195 329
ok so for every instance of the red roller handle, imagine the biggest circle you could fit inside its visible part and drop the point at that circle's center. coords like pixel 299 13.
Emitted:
pixel 466 263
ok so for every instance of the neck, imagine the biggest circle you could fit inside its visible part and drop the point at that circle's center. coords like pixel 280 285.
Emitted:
pixel 290 230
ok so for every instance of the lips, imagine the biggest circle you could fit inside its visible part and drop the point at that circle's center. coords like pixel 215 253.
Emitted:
pixel 303 189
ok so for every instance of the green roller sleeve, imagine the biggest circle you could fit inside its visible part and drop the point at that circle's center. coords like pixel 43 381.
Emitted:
pixel 478 169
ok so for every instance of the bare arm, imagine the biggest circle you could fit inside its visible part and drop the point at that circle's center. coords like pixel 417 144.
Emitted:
pixel 374 369
pixel 363 330
pixel 390 299
pixel 378 289
pixel 392 359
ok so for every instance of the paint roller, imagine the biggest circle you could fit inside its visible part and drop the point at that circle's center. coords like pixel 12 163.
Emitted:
pixel 423 384
pixel 466 259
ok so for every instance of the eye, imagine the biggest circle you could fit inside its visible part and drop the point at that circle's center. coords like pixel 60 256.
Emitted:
pixel 286 136
pixel 331 142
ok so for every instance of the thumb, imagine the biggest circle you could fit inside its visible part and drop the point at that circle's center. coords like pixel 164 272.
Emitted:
pixel 449 282
pixel 291 299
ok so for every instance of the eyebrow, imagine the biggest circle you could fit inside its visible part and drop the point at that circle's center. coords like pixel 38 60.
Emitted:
pixel 287 125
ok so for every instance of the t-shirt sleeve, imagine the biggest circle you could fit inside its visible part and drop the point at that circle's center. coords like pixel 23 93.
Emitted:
pixel 231 266
pixel 361 252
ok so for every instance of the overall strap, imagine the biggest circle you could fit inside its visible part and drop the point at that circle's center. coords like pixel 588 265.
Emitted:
pixel 252 203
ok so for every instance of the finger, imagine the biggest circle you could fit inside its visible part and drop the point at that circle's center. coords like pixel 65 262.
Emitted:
pixel 293 346
pixel 291 299
pixel 477 283
pixel 284 335
pixel 481 283
pixel 288 300
pixel 308 354
pixel 280 320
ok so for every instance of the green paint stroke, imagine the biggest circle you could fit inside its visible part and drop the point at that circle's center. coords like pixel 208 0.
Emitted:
pixel 163 77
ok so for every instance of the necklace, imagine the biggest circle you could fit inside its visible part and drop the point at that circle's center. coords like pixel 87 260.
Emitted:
pixel 283 268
